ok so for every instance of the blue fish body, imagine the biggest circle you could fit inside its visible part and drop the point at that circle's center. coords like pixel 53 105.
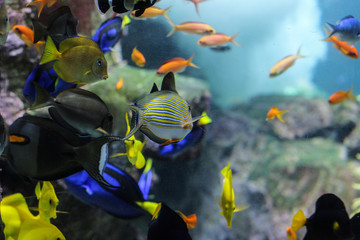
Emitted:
pixel 348 29
pixel 108 34
pixel 193 138
pixel 145 183
pixel 47 79
pixel 119 202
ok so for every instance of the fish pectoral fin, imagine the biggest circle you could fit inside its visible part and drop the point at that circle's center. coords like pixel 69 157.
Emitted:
pixel 43 98
pixel 240 207
pixel 222 213
pixel 298 221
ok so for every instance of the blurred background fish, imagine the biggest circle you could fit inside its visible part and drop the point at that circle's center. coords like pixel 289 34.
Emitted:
pixel 4 23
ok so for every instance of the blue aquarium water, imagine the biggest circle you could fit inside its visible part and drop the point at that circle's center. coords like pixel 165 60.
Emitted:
pixel 179 119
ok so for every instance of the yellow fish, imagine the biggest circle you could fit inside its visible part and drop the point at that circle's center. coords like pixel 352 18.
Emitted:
pixel 38 229
pixel 79 60
pixel 204 120
pixel 133 149
pixel 48 201
pixel 227 201
pixel 284 64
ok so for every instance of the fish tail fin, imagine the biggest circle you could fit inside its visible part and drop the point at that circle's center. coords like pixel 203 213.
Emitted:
pixel 95 157
pixel 39 4
pixel 189 62
pixel 233 41
pixel 298 221
pixel 280 113
pixel 50 52
pixel 333 29
pixel 327 39
pixel 298 53
pixel 43 98
pixel 136 122
pixel 165 14
pixel 240 207
pixel 349 93
pixel 51 3
pixel 197 8
pixel 225 170
pixel 150 207
pixel 190 220
pixel 175 28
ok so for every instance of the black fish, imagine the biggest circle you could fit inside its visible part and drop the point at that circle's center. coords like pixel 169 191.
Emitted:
pixel 39 148
pixel 121 6
pixel 76 109
pixel 167 225
pixel 221 48
pixel 355 226
pixel 59 25
pixel 3 134
pixel 330 220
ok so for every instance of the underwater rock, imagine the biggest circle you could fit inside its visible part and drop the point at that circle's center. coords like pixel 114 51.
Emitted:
pixel 11 107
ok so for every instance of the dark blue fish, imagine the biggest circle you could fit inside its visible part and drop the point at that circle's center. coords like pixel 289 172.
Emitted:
pixel 48 79
pixel 40 149
pixel 146 179
pixel 108 34
pixel 121 6
pixel 348 29
pixel 119 202
pixel 193 138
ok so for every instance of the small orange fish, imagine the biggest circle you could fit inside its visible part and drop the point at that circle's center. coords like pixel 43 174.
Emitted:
pixel 341 96
pixel 284 64
pixel 290 234
pixel 175 65
pixel 196 3
pixel 151 12
pixel 216 39
pixel 27 35
pixel 137 57
pixel 40 4
pixel 190 220
pixel 345 48
pixel 192 28
pixel 275 112
pixel 120 83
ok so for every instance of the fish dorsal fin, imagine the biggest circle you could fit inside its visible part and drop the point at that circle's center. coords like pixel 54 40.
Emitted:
pixel 43 98
pixel 154 88
pixel 347 17
pixel 169 82
pixel 76 41
pixel 174 59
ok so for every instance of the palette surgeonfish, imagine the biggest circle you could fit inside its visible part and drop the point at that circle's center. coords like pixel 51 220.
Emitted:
pixel 167 224
pixel 122 6
pixel 47 78
pixel 348 29
pixel 4 23
pixel 3 134
pixel 119 202
pixel 108 34
pixel 78 60
pixel 330 221
pixel 41 149
pixel 163 115
pixel 192 139
pixel 76 109
pixel 58 24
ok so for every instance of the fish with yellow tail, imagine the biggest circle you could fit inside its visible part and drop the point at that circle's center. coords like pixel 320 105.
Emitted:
pixel 275 112
pixel 282 65
pixel 79 60
pixel 133 149
pixel 227 200
pixel 163 115
pixel 177 64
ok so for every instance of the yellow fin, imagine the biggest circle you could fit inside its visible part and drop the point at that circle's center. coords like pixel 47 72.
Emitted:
pixel 126 20
pixel 241 207
pixel 205 119
pixel 299 220
pixel 50 52
pixel 38 190
pixel 150 207
pixel 225 170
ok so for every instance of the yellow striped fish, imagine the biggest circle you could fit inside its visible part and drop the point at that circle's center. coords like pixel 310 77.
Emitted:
pixel 163 115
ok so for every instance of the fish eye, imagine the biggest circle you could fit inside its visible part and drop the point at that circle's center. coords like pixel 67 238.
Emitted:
pixel 99 62
pixel 189 108
pixel 6 19
pixel 50 202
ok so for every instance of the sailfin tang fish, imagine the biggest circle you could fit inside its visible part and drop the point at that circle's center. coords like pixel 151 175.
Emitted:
pixel 162 115
pixel 43 139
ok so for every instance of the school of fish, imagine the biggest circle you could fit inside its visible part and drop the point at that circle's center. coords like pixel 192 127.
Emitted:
pixel 66 132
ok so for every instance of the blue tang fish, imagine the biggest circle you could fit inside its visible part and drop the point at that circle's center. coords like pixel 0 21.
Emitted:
pixel 108 34
pixel 348 29
pixel 46 78
pixel 119 202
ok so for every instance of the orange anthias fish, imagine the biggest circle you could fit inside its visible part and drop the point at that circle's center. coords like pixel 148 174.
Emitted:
pixel 275 112
pixel 120 83
pixel 284 64
pixel 175 65
pixel 345 48
pixel 40 4
pixel 151 12
pixel 216 39
pixel 290 234
pixel 196 3
pixel 192 28
pixel 137 57
pixel 27 35
pixel 341 96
